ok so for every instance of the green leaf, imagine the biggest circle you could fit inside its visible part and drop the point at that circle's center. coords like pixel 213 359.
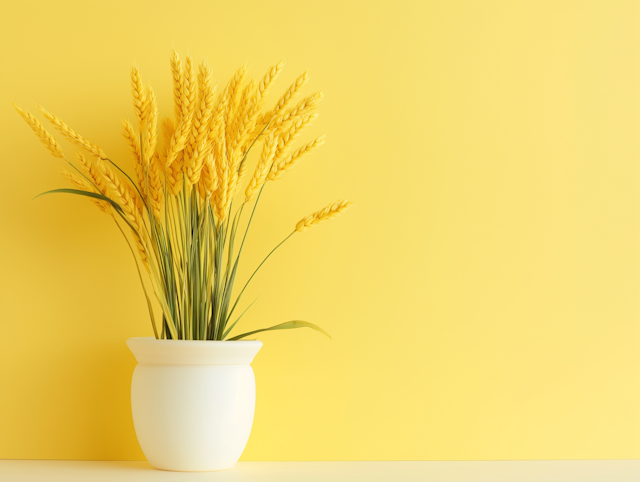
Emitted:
pixel 285 326
pixel 228 330
pixel 83 193
pixel 131 180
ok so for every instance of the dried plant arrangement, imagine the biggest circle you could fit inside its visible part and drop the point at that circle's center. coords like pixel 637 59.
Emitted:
pixel 182 208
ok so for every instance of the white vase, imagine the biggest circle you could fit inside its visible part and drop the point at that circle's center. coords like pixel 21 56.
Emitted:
pixel 193 401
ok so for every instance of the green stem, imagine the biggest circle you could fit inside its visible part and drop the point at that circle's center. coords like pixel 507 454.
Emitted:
pixel 259 266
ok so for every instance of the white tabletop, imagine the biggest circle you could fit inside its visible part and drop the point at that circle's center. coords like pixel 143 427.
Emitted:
pixel 530 471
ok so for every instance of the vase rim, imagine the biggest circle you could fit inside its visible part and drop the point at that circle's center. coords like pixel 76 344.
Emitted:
pixel 151 339
pixel 150 351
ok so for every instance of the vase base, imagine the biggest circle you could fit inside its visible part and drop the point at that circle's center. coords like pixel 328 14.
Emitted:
pixel 217 469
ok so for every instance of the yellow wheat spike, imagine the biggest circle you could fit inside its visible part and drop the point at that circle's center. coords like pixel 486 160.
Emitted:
pixel 150 127
pixel 330 212
pixel 196 151
pixel 235 84
pixel 178 79
pixel 242 173
pixel 222 198
pixel 288 134
pixel 305 107
pixel 238 173
pixel 175 175
pixel 240 125
pixel 263 167
pixel 120 193
pixel 208 182
pixel 142 251
pixel 188 101
pixel 156 185
pixel 189 145
pixel 240 138
pixel 140 100
pixel 233 93
pixel 71 135
pixel 47 139
pixel 167 130
pixel 249 131
pixel 266 83
pixel 278 170
pixel 244 123
pixel 92 172
pixel 246 104
pixel 286 99
pixel 83 185
pixel 125 198
pixel 133 142
pixel 220 143
pixel 216 125
pixel 200 187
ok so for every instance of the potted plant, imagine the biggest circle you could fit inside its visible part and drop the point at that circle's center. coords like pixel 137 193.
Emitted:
pixel 185 214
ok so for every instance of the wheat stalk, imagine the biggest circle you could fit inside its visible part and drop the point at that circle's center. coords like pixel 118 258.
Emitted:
pixel 150 127
pixel 47 139
pixel 120 192
pixel 223 194
pixel 286 137
pixel 330 212
pixel 140 100
pixel 233 89
pixel 262 169
pixel 83 185
pixel 292 159
pixel 173 173
pixel 125 198
pixel 156 191
pixel 305 107
pixel 286 99
pixel 243 122
pixel 209 179
pixel 167 127
pixel 71 135
pixel 216 138
pixel 242 173
pixel 197 148
pixel 240 107
pixel 133 142
pixel 221 160
pixel 266 83
pixel 92 172
pixel 178 80
pixel 188 100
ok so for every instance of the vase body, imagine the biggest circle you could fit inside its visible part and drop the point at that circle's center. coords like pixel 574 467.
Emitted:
pixel 193 401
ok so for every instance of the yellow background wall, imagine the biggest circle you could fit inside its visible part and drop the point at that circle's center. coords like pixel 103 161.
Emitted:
pixel 483 296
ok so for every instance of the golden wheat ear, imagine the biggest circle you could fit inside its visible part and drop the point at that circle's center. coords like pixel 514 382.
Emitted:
pixel 71 135
pixel 286 99
pixel 47 139
pixel 265 85
pixel 330 212
pixel 292 159
pixel 140 100
pixel 84 185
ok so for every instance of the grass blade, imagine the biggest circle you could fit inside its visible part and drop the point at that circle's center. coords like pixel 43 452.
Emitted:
pixel 228 330
pixel 83 193
pixel 289 325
